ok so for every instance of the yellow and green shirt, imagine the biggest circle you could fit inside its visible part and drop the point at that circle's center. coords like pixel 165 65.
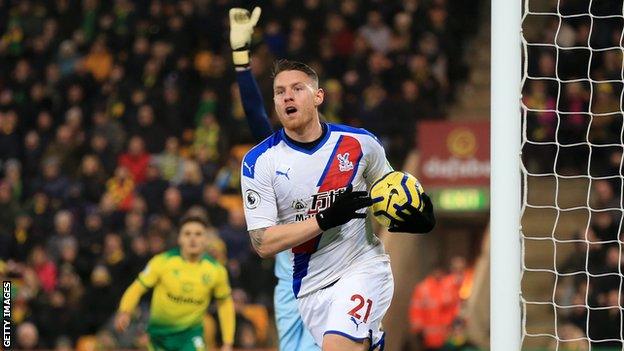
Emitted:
pixel 182 291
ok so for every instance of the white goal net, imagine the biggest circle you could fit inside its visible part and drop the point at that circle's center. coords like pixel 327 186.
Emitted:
pixel 572 158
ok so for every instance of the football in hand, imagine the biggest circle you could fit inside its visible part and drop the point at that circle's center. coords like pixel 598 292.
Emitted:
pixel 391 193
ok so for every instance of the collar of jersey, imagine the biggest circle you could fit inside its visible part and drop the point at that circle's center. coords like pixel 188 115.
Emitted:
pixel 306 151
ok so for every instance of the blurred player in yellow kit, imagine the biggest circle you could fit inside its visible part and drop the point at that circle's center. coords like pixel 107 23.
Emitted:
pixel 184 280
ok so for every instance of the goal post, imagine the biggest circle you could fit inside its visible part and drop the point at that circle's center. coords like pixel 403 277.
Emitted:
pixel 505 319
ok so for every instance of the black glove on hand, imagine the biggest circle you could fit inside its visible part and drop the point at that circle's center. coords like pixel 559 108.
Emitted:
pixel 415 221
pixel 343 209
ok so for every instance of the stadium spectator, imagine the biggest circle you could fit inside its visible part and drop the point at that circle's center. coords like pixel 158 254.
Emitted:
pixel 173 207
pixel 31 156
pixel 246 335
pixel 135 159
pixel 9 139
pixel 111 129
pixel 100 299
pixel 53 181
pixel 27 336
pixel 233 234
pixel 152 133
pixel 91 235
pixel 120 189
pixel 376 32
pixel 92 179
pixel 99 61
pixel 435 307
pixel 63 233
pixel 170 162
pixel 191 184
pixel 9 208
pixel 153 189
pixel 24 237
pixel 207 138
pixel 210 201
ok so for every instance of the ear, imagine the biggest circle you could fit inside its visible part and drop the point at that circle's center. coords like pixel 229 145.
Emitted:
pixel 319 97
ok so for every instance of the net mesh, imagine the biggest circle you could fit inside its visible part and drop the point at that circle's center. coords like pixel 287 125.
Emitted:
pixel 572 157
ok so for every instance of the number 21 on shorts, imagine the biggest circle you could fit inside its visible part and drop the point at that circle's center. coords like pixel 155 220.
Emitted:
pixel 355 312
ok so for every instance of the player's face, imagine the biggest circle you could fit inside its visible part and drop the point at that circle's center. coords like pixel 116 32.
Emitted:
pixel 296 99
pixel 192 239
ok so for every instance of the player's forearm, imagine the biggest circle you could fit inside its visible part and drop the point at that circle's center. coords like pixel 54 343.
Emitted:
pixel 227 319
pixel 269 241
pixel 253 105
pixel 131 297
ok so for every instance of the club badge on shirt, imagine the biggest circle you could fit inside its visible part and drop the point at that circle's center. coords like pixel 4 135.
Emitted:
pixel 343 162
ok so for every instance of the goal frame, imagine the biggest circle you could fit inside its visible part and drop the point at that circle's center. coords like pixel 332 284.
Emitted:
pixel 505 206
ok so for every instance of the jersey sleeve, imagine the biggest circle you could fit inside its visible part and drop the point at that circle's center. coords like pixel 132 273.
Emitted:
pixel 377 164
pixel 251 97
pixel 258 195
pixel 152 271
pixel 222 288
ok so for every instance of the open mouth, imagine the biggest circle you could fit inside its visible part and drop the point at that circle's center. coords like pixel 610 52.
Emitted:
pixel 290 110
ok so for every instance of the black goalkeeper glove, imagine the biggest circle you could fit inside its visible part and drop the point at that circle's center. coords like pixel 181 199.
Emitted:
pixel 344 208
pixel 415 221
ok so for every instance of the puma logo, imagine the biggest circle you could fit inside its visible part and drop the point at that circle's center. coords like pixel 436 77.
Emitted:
pixel 248 167
pixel 285 174
pixel 357 325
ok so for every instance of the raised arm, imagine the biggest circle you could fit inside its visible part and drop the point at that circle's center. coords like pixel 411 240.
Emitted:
pixel 255 112
pixel 241 29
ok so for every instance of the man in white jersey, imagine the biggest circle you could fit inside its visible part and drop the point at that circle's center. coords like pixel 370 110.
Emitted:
pixel 291 333
pixel 304 189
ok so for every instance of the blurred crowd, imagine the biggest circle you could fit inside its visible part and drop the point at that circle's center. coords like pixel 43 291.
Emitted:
pixel 573 90
pixel 589 291
pixel 118 117
pixel 574 98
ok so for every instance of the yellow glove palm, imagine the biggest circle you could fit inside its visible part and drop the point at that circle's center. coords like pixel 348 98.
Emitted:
pixel 241 29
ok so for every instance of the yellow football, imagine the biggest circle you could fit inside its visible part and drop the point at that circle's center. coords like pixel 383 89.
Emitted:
pixel 393 191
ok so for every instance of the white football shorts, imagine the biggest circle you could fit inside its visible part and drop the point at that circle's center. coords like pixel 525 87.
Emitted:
pixel 353 306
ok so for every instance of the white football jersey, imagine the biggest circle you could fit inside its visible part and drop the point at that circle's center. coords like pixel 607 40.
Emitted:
pixel 284 183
